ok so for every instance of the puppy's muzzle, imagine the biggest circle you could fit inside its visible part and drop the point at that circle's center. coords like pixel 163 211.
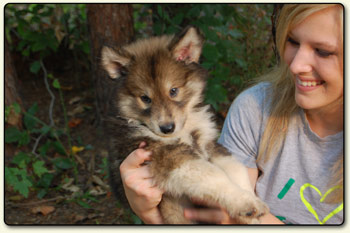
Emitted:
pixel 167 128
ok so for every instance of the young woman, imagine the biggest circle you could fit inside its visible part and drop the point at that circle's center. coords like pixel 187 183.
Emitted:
pixel 287 129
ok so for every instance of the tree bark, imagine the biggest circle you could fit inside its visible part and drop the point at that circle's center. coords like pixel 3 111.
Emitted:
pixel 11 93
pixel 109 25
pixel 11 96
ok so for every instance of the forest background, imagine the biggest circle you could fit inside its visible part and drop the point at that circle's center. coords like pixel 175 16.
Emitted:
pixel 55 148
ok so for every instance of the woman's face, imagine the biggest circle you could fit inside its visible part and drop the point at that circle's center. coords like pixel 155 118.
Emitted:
pixel 314 53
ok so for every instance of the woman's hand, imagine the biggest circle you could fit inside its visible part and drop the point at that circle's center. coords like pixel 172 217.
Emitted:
pixel 212 213
pixel 142 195
pixel 217 215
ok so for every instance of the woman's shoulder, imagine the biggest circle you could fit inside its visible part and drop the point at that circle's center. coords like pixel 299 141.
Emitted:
pixel 258 95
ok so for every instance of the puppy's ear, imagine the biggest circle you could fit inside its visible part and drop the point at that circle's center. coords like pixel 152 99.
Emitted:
pixel 187 46
pixel 114 62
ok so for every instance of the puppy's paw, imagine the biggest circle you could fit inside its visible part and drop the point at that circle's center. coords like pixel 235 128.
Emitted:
pixel 261 208
pixel 248 210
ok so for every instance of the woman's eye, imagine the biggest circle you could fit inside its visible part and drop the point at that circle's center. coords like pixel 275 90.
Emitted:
pixel 146 99
pixel 323 53
pixel 293 42
pixel 173 92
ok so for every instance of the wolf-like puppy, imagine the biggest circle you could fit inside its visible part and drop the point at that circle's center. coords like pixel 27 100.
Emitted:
pixel 159 100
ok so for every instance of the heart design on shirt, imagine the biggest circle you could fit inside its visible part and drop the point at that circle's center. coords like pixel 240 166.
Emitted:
pixel 323 197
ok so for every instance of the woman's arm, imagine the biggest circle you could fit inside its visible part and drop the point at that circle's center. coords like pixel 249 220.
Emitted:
pixel 142 195
pixel 217 215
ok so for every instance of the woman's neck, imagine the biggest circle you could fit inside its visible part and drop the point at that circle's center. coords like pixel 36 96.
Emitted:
pixel 326 122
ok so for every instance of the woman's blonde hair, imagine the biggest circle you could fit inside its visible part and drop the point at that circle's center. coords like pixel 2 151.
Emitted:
pixel 283 103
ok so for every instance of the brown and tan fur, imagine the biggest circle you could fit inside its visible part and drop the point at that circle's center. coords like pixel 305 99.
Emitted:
pixel 159 100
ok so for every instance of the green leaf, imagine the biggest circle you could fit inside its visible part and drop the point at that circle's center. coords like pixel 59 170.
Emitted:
pixel 215 94
pixel 41 193
pixel 10 175
pixel 16 107
pixel 241 63
pixel 18 179
pixel 24 139
pixel 30 120
pixel 63 163
pixel 12 134
pixel 84 204
pixel 39 168
pixel 38 46
pixel 35 67
pixel 20 157
pixel 157 28
pixel 159 10
pixel 235 33
pixel 59 148
pixel 89 147
pixel 85 47
pixel 210 52
pixel 136 219
pixel 33 109
pixel 45 180
pixel 26 52
pixel 177 20
pixel 44 148
pixel 56 84
pixel 45 129
pixel 23 186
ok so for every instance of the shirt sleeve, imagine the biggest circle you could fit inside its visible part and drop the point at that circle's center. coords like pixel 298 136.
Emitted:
pixel 242 129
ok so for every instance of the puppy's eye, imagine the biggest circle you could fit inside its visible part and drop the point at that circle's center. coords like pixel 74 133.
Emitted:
pixel 146 99
pixel 173 92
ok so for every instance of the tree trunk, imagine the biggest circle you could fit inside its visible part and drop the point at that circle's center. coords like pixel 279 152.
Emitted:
pixel 111 25
pixel 11 94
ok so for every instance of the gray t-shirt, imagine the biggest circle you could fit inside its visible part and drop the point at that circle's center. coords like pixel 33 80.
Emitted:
pixel 293 182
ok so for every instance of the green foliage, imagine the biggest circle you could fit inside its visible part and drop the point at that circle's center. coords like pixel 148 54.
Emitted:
pixel 29 170
pixel 63 163
pixel 13 107
pixel 42 28
pixel 84 199
pixel 29 121
pixel 39 168
pixel 104 168
pixel 56 84
pixel 18 179
pixel 136 220
pixel 237 46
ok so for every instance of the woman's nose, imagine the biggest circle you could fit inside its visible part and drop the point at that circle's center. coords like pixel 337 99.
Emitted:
pixel 302 61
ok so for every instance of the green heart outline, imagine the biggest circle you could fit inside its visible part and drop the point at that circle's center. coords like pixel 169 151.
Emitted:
pixel 323 197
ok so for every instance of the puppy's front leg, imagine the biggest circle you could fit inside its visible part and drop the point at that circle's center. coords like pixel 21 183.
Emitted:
pixel 201 179
pixel 236 172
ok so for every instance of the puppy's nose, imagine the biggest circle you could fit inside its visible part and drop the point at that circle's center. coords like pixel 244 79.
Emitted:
pixel 168 128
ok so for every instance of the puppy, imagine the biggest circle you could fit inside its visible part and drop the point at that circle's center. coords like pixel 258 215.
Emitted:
pixel 159 89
